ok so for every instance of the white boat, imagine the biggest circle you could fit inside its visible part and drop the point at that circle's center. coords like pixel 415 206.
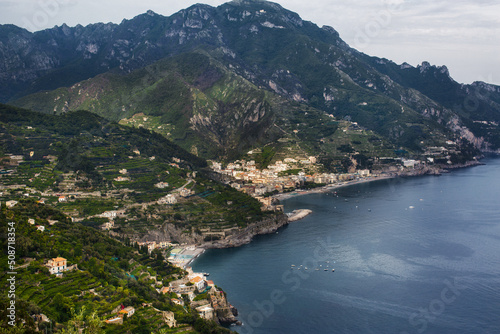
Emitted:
pixel 333 269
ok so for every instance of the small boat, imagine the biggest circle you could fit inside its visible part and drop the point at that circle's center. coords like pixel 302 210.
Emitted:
pixel 333 270
pixel 317 269
pixel 326 269
pixel 305 268
pixel 293 265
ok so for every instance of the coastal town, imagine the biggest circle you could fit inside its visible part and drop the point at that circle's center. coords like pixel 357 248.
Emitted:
pixel 279 179
pixel 301 174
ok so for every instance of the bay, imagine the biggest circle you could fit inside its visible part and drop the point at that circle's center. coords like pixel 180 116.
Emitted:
pixel 411 255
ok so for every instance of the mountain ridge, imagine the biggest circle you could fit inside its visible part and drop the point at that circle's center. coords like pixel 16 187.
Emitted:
pixel 277 51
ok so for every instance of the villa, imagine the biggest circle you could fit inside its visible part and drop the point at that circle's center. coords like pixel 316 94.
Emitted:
pixel 57 265
pixel 129 311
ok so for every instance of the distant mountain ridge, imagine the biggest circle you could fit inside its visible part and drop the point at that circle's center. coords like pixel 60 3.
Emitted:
pixel 268 55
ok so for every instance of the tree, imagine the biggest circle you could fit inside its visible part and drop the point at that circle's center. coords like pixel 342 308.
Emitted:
pixel 90 324
pixel 62 306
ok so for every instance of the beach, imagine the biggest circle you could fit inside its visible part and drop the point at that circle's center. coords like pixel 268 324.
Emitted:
pixel 182 256
pixel 330 187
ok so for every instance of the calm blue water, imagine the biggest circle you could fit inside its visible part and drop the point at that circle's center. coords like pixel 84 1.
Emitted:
pixel 433 268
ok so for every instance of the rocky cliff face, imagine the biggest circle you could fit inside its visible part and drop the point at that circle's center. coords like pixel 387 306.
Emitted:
pixel 171 233
pixel 270 47
pixel 245 236
pixel 236 239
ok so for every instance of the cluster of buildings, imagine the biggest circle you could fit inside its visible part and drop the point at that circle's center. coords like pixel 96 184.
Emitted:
pixel 197 283
pixel 284 175
pixel 188 285
pixel 120 313
pixel 152 245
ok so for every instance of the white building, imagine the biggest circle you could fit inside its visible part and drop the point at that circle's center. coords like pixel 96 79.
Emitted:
pixel 409 163
pixel 108 214
pixel 57 265
pixel 169 199
pixel 199 282
pixel 364 172
pixel 206 312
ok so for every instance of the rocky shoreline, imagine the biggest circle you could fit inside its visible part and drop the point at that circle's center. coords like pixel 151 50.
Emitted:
pixel 272 224
pixel 245 236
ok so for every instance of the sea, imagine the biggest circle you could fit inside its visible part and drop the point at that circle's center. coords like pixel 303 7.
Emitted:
pixel 403 255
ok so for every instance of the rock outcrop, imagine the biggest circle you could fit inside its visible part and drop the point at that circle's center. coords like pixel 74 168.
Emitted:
pixel 245 236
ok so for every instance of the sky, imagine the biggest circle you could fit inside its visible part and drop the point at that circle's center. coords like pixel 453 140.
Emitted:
pixel 464 35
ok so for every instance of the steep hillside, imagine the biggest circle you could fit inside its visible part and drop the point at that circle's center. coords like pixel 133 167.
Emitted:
pixel 477 105
pixel 203 106
pixel 86 166
pixel 197 102
pixel 106 274
pixel 252 48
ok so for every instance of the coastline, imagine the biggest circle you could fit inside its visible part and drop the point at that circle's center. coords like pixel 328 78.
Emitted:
pixel 247 235
pixel 331 187
pixel 437 170
pixel 405 193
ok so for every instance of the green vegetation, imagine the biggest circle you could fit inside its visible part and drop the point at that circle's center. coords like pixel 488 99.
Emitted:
pixel 265 157
pixel 290 172
pixel 108 273
pixel 106 167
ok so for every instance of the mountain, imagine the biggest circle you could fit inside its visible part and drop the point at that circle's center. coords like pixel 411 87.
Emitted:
pixel 220 81
pixel 98 166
